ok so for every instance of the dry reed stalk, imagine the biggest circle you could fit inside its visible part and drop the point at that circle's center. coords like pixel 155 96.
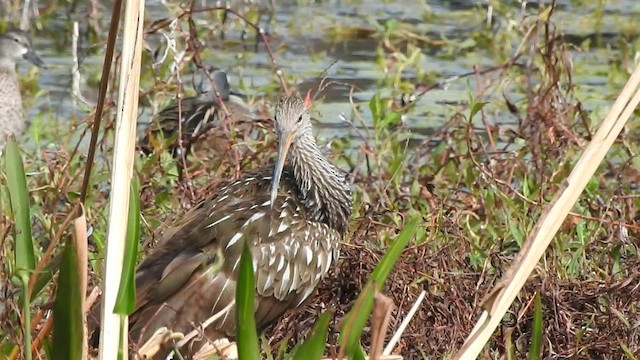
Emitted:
pixel 499 299
pixel 382 308
pixel 82 258
pixel 110 336
pixel 396 337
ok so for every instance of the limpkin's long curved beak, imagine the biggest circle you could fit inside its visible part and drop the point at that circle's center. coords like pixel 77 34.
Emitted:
pixel 284 143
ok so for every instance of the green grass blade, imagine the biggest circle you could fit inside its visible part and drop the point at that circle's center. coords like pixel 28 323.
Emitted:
pixel 313 347
pixel 628 352
pixel 359 354
pixel 126 300
pixel 246 334
pixel 357 318
pixel 25 260
pixel 19 196
pixel 67 311
pixel 535 349
pixel 388 261
pixel 26 311
pixel 266 348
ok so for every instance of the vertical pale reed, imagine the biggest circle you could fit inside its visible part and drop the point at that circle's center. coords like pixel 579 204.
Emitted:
pixel 121 178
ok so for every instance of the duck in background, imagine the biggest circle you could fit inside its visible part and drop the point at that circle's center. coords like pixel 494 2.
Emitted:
pixel 205 115
pixel 15 45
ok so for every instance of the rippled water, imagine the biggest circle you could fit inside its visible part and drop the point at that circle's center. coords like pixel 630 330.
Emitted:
pixel 304 26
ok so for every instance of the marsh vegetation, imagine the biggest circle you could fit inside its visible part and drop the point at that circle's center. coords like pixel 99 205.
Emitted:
pixel 466 116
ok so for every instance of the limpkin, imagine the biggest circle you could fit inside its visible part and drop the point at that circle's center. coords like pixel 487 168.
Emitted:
pixel 200 116
pixel 15 45
pixel 292 216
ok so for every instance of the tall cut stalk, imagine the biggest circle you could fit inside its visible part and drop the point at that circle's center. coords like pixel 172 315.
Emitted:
pixel 113 329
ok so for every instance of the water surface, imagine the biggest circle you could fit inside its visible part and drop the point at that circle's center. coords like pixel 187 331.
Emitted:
pixel 304 47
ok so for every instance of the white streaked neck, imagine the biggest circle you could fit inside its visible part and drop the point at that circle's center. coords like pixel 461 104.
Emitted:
pixel 324 190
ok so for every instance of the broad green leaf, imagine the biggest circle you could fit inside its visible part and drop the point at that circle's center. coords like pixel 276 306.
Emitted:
pixel 67 311
pixel 246 335
pixel 313 347
pixel 19 196
pixel 126 300
pixel 391 118
pixel 477 106
pixel 25 260
pixel 357 318
pixel 535 348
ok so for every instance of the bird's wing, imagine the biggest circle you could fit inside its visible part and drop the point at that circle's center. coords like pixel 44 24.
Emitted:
pixel 295 253
pixel 290 255
pixel 196 114
pixel 193 242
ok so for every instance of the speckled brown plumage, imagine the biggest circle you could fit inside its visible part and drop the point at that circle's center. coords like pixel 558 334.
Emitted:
pixel 293 227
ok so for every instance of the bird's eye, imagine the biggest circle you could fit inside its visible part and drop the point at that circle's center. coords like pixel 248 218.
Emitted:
pixel 300 119
pixel 16 40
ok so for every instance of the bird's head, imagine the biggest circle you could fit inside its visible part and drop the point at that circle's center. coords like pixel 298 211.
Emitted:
pixel 219 78
pixel 15 45
pixel 292 121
